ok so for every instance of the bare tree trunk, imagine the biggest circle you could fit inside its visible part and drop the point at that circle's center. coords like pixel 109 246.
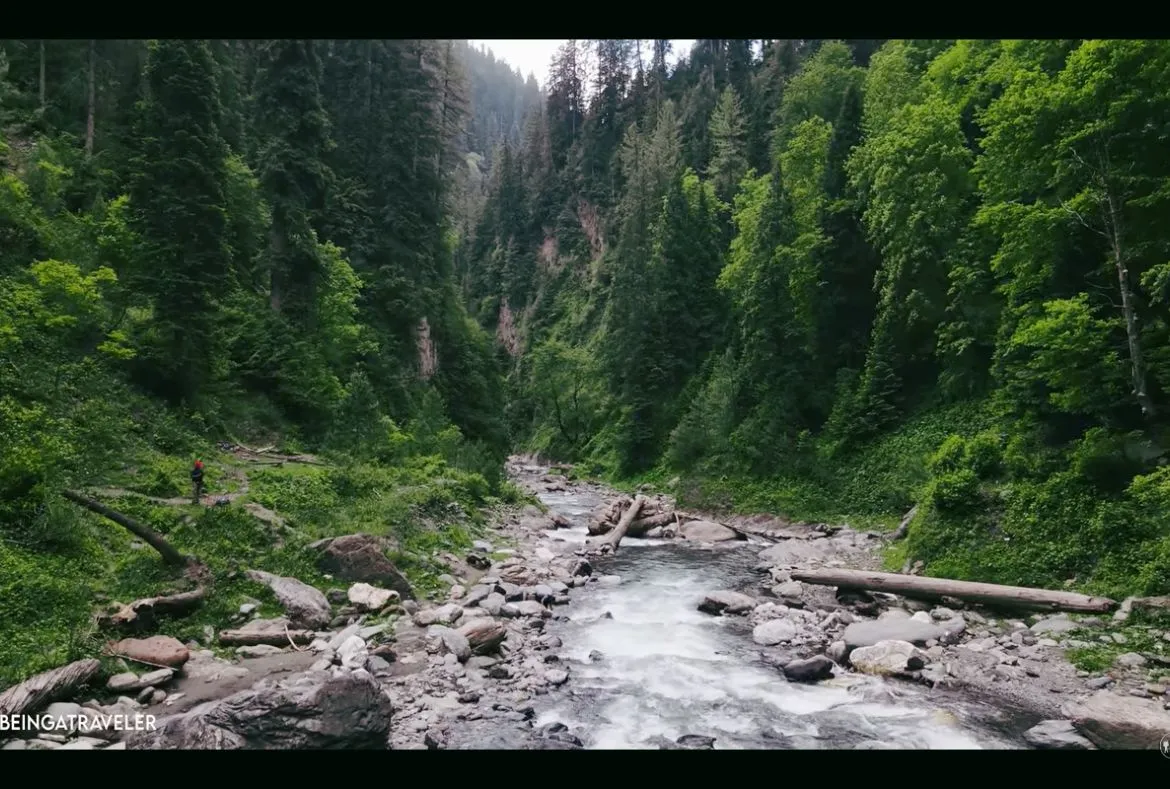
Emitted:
pixel 243 638
pixel 143 614
pixel 42 81
pixel 91 104
pixel 1136 361
pixel 624 524
pixel 46 687
pixel 915 586
pixel 276 274
pixel 144 533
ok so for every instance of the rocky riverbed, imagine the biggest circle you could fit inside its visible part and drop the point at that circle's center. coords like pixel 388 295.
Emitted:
pixel 693 636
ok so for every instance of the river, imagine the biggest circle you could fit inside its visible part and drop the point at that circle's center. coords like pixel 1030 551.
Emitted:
pixel 647 664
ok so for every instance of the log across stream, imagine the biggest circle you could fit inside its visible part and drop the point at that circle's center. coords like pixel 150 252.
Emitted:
pixel 646 664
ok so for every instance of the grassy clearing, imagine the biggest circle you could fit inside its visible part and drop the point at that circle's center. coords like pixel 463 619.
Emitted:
pixel 47 599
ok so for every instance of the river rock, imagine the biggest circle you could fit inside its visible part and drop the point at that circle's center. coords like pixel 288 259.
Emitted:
pixel 707 531
pixel 451 641
pixel 790 589
pixel 156 650
pixel 476 595
pixel 370 598
pixel 867 634
pixel 1053 625
pixel 129 681
pixel 1057 736
pixel 361 558
pixel 305 605
pixel 484 636
pixel 527 608
pixel 887 658
pixel 440 615
pixel 726 602
pixel 1113 722
pixel 813 669
pixel 312 711
pixel 353 653
pixel 1129 660
pixel 258 651
pixel 493 603
pixel 774 631
pixel 837 652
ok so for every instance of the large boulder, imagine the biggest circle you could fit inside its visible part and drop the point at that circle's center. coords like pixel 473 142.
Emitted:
pixel 888 658
pixel 812 669
pixel 707 531
pixel 361 558
pixel 727 602
pixel 1115 722
pixel 306 606
pixel 156 651
pixel 314 711
pixel 371 598
pixel 1057 736
pixel 774 631
pixel 866 634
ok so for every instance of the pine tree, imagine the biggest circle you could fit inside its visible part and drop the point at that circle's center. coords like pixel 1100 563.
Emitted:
pixel 728 145
pixel 294 130
pixel 179 208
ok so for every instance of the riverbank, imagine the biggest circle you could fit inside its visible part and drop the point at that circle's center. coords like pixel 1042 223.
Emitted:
pixel 1019 664
pixel 491 660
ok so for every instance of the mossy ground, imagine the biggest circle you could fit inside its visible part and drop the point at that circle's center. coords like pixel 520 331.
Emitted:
pixel 48 599
pixel 1142 633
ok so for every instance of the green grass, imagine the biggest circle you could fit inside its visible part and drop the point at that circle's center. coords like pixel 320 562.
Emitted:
pixel 1138 634
pixel 424 506
pixel 993 504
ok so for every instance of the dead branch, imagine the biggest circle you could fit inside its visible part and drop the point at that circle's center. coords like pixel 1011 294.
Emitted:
pixel 144 533
pixel 47 687
pixel 623 526
pixel 244 638
pixel 993 594
pixel 143 614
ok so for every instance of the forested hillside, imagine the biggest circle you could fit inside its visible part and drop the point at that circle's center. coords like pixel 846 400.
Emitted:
pixel 208 243
pixel 840 279
pixel 834 280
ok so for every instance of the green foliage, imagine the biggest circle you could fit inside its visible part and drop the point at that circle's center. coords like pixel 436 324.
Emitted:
pixel 210 265
pixel 942 288
pixel 941 285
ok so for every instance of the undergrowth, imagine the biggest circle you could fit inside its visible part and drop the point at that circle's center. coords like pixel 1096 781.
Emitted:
pixel 994 504
pixel 425 506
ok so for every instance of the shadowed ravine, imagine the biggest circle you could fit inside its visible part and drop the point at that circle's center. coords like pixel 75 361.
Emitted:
pixel 665 669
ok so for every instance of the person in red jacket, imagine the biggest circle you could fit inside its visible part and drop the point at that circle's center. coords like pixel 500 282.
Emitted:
pixel 197 479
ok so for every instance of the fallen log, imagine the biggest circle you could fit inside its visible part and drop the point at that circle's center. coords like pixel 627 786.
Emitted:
pixel 245 638
pixel 904 526
pixel 623 526
pixel 643 525
pixel 968 591
pixel 143 614
pixel 144 533
pixel 47 687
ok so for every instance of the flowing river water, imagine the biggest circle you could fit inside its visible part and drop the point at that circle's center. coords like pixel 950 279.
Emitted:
pixel 647 664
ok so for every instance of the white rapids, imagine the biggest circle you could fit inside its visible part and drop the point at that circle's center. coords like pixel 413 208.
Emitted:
pixel 665 669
